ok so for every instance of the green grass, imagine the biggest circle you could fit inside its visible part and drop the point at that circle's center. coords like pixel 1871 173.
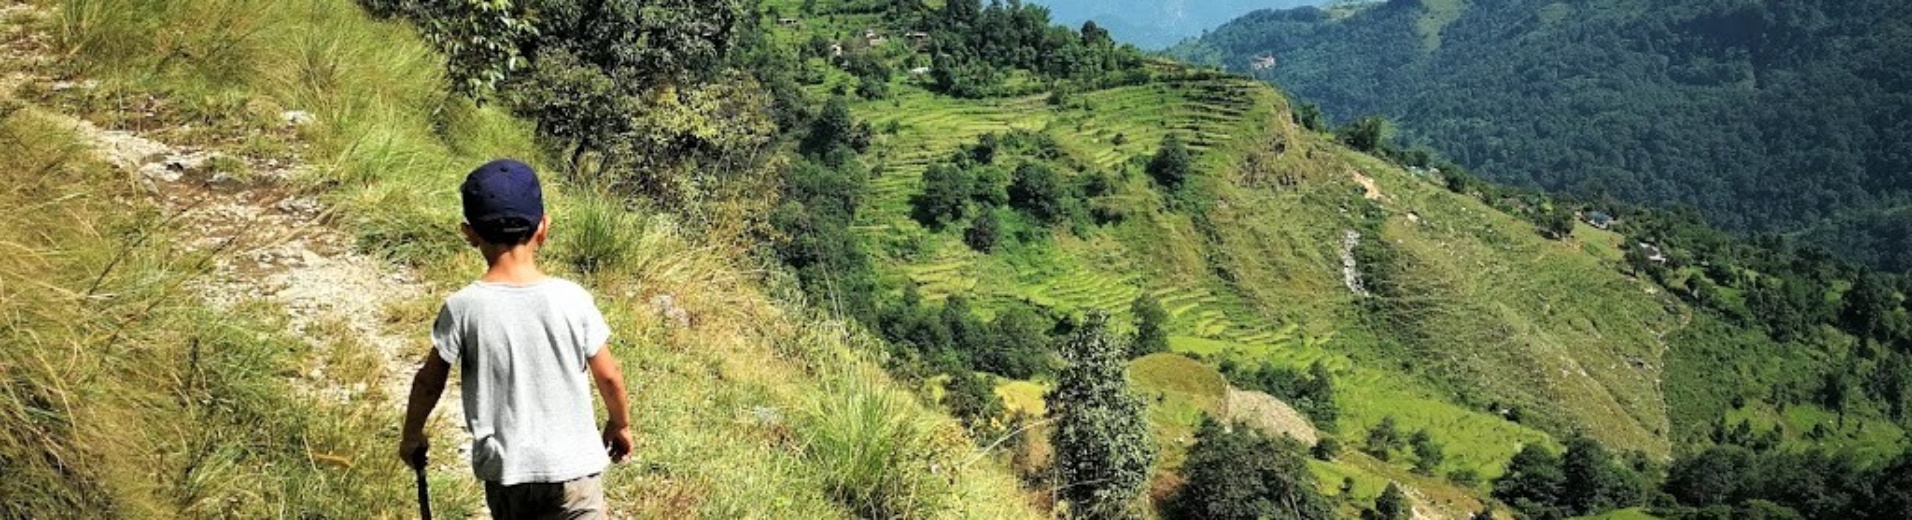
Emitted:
pixel 1179 392
pixel 745 408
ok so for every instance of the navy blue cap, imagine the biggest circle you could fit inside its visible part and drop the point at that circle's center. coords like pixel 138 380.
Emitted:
pixel 503 200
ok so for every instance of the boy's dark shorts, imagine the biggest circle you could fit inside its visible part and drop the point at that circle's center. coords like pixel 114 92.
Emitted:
pixel 580 499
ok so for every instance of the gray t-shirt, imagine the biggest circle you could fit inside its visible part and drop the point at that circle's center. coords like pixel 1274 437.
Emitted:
pixel 524 353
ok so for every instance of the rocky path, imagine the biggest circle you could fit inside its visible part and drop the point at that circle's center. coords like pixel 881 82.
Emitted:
pixel 268 242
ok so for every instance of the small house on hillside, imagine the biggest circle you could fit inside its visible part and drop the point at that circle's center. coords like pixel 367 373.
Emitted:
pixel 1263 63
pixel 789 21
pixel 1599 219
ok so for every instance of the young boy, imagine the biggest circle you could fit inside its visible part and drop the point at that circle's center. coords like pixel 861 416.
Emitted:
pixel 525 342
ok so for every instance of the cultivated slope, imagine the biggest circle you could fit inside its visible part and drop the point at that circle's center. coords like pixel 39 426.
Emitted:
pixel 1486 319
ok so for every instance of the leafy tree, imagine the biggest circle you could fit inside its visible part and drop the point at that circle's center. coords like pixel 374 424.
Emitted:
pixel 574 103
pixel 482 39
pixel 1533 482
pixel 1366 134
pixel 1309 116
pixel 1094 35
pixel 1464 477
pixel 972 398
pixel 833 128
pixel 644 41
pixel 1868 307
pixel 1172 163
pixel 1038 191
pixel 1318 397
pixel 991 186
pixel 1711 477
pixel 1556 223
pixel 1593 483
pixel 1391 505
pixel 1019 347
pixel 1427 452
pixel 983 232
pixel 1326 449
pixel 872 88
pixel 1383 439
pixel 1238 473
pixel 1151 326
pixel 1103 448
pixel 945 197
pixel 1892 491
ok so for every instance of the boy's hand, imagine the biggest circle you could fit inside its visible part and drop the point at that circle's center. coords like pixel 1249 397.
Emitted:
pixel 617 439
pixel 410 447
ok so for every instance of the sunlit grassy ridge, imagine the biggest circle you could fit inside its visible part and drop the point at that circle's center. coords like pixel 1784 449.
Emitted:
pixel 744 407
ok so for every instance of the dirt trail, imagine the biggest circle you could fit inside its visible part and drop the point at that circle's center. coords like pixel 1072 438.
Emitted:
pixel 272 244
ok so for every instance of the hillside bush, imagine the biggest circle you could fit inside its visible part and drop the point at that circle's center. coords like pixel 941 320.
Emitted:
pixel 1038 191
pixel 1428 454
pixel 1151 326
pixel 945 196
pixel 1172 163
pixel 1383 439
pixel 983 233
pixel 1391 505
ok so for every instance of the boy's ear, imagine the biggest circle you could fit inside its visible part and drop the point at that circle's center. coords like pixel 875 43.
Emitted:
pixel 471 235
pixel 544 227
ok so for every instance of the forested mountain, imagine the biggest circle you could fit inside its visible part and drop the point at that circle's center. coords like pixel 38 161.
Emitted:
pixel 1765 115
pixel 1155 24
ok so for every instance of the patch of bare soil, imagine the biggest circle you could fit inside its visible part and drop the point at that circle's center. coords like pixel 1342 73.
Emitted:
pixel 1268 414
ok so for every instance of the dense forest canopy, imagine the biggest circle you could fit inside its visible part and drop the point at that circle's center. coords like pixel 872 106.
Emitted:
pixel 1767 116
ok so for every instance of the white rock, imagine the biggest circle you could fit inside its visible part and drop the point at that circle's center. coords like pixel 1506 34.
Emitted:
pixel 297 118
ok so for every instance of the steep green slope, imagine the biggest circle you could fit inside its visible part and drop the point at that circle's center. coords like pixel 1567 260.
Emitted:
pixel 1488 316
pixel 1766 116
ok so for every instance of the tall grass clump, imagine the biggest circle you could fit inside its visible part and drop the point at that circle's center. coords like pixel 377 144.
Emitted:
pixel 872 453
pixel 596 233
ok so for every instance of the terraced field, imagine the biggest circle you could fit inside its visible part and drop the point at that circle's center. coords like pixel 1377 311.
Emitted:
pixel 1109 130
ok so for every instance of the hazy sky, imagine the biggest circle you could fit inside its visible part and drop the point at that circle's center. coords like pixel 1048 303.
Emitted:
pixel 1155 24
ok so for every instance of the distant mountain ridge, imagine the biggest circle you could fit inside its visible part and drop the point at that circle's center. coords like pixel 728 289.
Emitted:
pixel 1766 116
pixel 1156 24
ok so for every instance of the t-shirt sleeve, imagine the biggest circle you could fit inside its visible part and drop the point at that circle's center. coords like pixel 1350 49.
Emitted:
pixel 595 331
pixel 446 337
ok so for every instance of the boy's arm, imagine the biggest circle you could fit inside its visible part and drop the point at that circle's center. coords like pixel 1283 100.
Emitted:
pixel 610 385
pixel 427 386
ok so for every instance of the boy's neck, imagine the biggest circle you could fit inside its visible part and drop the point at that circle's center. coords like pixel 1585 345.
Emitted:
pixel 514 266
